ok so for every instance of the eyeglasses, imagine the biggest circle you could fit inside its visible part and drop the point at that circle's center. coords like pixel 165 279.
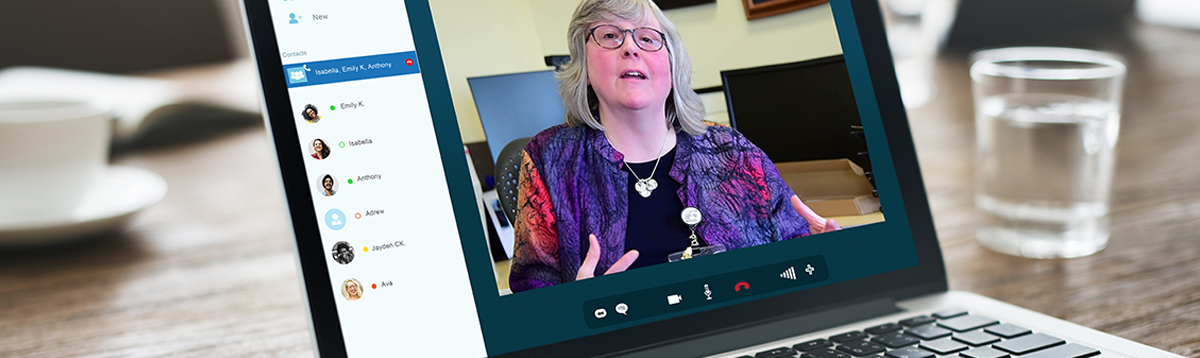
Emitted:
pixel 612 37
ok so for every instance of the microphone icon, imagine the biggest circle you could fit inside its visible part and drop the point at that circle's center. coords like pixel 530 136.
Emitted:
pixel 707 292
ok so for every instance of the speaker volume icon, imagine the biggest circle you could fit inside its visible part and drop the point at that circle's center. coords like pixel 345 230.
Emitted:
pixel 790 273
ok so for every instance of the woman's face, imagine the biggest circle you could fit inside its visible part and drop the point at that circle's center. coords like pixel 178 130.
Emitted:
pixel 352 288
pixel 629 76
pixel 311 113
pixel 318 145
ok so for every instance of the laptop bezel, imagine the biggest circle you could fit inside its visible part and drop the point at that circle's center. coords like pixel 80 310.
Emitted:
pixel 928 277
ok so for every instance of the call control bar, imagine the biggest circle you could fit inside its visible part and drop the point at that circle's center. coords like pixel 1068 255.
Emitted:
pixel 697 293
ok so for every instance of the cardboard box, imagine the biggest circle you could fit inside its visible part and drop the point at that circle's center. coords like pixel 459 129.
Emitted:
pixel 833 187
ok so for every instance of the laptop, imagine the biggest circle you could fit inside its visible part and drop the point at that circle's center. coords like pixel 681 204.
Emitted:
pixel 369 113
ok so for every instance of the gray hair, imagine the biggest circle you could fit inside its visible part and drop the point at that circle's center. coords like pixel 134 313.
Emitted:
pixel 683 104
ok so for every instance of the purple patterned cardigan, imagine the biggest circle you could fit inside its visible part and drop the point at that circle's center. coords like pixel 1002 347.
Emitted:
pixel 573 183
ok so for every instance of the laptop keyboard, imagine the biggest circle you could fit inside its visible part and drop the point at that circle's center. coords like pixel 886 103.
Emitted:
pixel 951 333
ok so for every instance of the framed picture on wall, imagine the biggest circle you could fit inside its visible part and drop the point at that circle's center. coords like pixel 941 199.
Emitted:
pixel 672 4
pixel 757 9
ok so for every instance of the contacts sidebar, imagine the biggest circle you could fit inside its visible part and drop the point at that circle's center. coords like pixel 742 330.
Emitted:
pixel 379 189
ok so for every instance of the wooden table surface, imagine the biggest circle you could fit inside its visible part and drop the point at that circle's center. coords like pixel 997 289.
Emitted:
pixel 209 271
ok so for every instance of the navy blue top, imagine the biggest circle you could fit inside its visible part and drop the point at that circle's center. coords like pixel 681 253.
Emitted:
pixel 655 227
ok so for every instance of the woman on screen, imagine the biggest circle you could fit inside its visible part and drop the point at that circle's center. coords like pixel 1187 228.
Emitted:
pixel 636 177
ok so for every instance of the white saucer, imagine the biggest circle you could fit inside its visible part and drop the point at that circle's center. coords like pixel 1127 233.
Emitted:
pixel 110 203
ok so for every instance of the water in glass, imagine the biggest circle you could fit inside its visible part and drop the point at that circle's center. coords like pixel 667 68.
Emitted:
pixel 1045 165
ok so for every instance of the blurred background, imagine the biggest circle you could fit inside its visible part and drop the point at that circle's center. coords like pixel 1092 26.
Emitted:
pixel 121 36
pixel 203 44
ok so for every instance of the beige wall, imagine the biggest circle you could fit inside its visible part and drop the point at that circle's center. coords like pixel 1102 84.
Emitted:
pixel 480 38
pixel 718 37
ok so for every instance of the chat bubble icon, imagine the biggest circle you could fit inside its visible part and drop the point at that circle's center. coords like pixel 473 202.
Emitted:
pixel 601 313
pixel 622 308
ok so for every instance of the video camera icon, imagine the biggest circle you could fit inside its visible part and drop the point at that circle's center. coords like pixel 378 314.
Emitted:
pixel 674 299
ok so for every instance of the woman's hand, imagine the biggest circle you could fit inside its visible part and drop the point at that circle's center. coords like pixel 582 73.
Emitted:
pixel 588 268
pixel 816 223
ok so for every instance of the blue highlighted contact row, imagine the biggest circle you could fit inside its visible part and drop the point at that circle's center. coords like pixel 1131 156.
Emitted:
pixel 351 69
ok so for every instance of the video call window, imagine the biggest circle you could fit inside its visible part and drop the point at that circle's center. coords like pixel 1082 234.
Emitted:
pixel 644 171
pixel 669 147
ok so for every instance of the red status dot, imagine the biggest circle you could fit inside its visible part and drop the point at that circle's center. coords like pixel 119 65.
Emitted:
pixel 372 286
pixel 408 62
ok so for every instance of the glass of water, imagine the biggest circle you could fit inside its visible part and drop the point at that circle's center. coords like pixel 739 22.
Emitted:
pixel 1047 121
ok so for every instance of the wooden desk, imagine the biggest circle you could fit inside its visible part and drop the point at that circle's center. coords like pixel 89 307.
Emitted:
pixel 209 271
pixel 1146 285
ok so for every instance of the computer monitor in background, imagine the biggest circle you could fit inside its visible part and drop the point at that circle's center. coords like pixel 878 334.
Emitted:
pixel 797 111
pixel 516 105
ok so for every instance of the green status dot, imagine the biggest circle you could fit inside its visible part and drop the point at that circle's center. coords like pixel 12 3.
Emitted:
pixel 332 107
pixel 349 181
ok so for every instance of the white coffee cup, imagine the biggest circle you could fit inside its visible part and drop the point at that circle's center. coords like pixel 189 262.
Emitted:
pixel 53 152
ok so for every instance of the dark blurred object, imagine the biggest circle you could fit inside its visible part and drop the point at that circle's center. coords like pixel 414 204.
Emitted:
pixel 558 61
pixel 864 156
pixel 672 4
pixel 114 36
pixel 990 23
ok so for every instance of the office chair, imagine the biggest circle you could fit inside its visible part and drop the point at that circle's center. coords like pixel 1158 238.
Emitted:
pixel 508 168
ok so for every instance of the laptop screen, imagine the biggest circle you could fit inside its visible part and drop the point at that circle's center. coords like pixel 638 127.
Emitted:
pixel 641 204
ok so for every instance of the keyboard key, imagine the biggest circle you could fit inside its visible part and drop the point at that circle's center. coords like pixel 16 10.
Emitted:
pixel 812 345
pixel 1070 350
pixel 777 352
pixel 976 338
pixel 928 332
pixel 828 353
pixel 860 348
pixel 943 346
pixel 1007 330
pixel 806 355
pixel 883 328
pixel 967 323
pixel 917 321
pixel 984 352
pixel 1028 343
pixel 950 313
pixel 896 340
pixel 909 352
pixel 848 336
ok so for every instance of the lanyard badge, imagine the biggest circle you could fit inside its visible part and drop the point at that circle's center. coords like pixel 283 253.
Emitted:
pixel 692 217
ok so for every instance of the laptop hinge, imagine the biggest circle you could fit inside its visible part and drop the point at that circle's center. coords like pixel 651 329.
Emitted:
pixel 760 333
